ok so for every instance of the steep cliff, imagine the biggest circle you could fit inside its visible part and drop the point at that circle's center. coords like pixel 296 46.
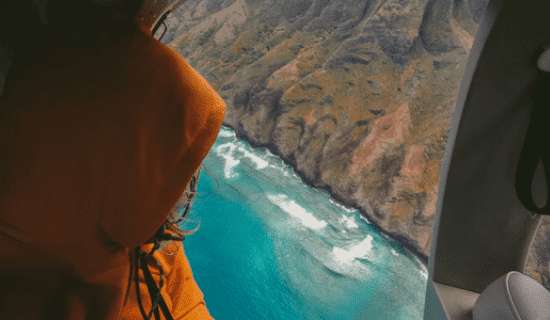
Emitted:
pixel 356 95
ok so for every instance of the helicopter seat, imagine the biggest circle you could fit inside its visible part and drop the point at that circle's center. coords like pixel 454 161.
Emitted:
pixel 513 296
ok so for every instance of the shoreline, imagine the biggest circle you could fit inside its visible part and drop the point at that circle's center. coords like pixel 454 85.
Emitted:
pixel 403 241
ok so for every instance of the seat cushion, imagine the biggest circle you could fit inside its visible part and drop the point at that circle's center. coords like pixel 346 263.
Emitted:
pixel 513 296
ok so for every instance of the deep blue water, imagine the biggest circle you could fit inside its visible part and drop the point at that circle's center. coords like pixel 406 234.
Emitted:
pixel 269 247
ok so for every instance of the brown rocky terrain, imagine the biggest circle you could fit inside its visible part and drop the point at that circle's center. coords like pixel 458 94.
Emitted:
pixel 357 96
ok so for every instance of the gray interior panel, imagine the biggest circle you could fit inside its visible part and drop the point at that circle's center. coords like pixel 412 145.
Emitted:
pixel 481 230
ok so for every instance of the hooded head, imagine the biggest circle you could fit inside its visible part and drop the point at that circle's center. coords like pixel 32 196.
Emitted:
pixel 95 146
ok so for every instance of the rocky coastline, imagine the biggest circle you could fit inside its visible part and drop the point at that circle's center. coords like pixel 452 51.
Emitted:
pixel 404 242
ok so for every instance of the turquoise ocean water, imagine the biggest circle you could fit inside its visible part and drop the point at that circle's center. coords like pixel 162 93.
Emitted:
pixel 271 248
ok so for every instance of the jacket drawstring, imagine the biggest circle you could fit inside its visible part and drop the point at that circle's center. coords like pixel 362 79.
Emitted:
pixel 140 261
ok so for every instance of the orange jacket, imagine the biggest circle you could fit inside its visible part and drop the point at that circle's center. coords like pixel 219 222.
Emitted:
pixel 100 131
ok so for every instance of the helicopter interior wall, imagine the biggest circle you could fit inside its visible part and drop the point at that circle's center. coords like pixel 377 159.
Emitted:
pixel 5 62
pixel 481 230
pixel 18 20
pixel 18 17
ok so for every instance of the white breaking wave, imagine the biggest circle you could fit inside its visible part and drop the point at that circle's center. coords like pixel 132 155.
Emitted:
pixel 343 207
pixel 297 211
pixel 362 250
pixel 349 222
pixel 232 153
pixel 228 150
pixel 264 160
pixel 364 219
pixel 227 133
pixel 225 151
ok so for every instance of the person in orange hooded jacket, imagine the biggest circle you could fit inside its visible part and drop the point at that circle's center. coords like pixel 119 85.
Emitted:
pixel 101 129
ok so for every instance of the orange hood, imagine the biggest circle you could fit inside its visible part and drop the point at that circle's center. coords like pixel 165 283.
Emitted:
pixel 98 139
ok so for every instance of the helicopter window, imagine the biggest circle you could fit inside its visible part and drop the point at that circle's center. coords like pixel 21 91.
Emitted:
pixel 354 99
